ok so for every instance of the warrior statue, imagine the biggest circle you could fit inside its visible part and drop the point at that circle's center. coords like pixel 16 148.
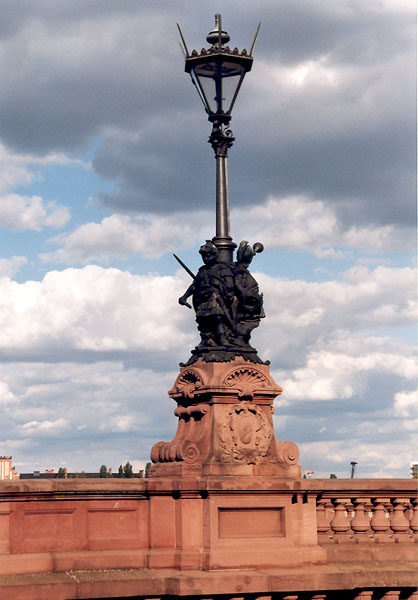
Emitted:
pixel 227 303
pixel 249 301
pixel 213 296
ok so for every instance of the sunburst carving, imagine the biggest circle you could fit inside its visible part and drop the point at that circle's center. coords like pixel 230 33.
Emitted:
pixel 246 380
pixel 187 383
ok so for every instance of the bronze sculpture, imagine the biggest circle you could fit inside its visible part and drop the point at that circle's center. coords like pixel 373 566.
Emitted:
pixel 227 303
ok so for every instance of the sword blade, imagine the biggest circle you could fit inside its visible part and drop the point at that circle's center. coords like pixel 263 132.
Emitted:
pixel 185 267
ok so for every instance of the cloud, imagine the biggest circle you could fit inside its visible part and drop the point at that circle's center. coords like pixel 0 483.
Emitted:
pixel 372 457
pixel 300 223
pixel 106 407
pixel 107 345
pixel 10 266
pixel 92 310
pixel 294 223
pixel 406 404
pixel 305 313
pixel 9 444
pixel 20 168
pixel 324 160
pixel 122 235
pixel 327 112
pixel 6 395
pixel 331 375
pixel 121 423
pixel 53 428
pixel 20 212
pixel 101 311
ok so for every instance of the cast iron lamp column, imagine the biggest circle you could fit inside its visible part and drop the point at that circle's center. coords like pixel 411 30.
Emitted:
pixel 221 140
pixel 218 74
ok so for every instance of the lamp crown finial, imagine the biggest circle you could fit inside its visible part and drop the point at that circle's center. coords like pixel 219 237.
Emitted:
pixel 218 35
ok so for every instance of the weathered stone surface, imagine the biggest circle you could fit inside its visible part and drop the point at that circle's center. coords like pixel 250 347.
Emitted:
pixel 194 536
pixel 225 424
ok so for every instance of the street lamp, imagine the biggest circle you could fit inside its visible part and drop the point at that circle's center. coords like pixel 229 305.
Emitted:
pixel 218 73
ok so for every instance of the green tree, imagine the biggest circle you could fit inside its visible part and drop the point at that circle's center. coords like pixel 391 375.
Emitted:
pixel 78 475
pixel 103 471
pixel 147 468
pixel 61 473
pixel 127 470
pixel 332 476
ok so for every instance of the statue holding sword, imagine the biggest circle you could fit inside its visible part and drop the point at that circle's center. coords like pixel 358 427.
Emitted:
pixel 226 300
pixel 213 295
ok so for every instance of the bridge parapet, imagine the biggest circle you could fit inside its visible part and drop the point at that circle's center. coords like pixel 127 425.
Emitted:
pixel 379 514
pixel 268 535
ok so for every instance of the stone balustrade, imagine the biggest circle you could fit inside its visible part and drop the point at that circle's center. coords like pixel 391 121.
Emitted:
pixel 366 521
pixel 389 517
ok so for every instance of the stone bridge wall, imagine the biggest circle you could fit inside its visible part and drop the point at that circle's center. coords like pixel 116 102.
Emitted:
pixel 202 537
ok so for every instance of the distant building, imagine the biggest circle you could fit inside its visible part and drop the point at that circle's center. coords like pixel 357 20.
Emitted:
pixel 6 469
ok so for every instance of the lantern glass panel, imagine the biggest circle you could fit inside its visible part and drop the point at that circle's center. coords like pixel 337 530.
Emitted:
pixel 207 84
pixel 229 85
pixel 217 82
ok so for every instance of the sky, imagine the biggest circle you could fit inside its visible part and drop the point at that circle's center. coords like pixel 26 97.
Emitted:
pixel 105 171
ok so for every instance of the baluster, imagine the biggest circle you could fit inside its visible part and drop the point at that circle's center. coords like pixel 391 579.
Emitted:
pixel 329 512
pixel 379 523
pixel 322 521
pixel 414 518
pixel 390 511
pixel 360 524
pixel 392 595
pixel 340 523
pixel 399 523
pixel 369 514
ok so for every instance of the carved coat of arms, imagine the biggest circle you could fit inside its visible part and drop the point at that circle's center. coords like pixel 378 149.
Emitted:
pixel 244 434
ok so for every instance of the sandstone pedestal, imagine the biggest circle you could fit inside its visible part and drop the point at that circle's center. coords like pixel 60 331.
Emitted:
pixel 225 424
pixel 231 474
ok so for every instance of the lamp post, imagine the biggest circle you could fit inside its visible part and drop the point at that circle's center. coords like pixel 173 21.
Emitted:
pixel 218 73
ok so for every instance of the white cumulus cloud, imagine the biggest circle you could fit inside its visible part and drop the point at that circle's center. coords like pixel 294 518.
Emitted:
pixel 406 404
pixel 24 212
pixel 294 223
pixel 92 309
pixel 10 266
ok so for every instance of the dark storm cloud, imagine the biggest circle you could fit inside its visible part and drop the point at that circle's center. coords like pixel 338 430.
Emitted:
pixel 90 70
pixel 369 178
pixel 80 69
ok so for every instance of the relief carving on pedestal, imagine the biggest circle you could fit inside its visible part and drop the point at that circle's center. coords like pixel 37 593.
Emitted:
pixel 245 434
pixel 247 381
pixel 187 384
pixel 287 452
pixel 188 444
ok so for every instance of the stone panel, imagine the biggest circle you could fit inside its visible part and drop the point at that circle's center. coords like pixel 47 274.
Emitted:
pixel 251 522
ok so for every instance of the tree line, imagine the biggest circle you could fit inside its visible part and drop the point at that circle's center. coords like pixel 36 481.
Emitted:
pixel 124 471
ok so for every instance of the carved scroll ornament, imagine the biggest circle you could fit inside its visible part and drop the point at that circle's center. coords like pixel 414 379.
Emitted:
pixel 188 444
